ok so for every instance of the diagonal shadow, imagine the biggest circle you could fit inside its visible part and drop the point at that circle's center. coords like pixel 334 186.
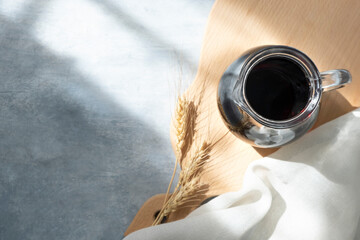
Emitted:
pixel 145 34
pixel 70 157
pixel 31 11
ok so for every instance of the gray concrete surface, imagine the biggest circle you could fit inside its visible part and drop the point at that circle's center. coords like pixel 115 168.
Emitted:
pixel 86 92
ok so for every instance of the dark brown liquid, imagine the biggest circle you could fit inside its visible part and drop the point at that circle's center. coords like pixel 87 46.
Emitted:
pixel 277 88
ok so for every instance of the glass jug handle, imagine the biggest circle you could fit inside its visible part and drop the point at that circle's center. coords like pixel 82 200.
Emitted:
pixel 334 79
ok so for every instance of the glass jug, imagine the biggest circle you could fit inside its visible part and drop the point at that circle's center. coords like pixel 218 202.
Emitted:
pixel 270 96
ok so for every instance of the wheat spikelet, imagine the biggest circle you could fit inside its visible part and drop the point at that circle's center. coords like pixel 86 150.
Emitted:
pixel 181 115
pixel 184 124
pixel 198 160
pixel 195 164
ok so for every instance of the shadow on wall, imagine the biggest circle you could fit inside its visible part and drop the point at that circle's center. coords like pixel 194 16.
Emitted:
pixel 74 165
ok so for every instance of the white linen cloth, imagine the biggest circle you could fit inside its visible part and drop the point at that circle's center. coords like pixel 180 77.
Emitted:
pixel 309 189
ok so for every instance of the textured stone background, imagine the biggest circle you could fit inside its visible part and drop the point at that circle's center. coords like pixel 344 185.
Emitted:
pixel 86 93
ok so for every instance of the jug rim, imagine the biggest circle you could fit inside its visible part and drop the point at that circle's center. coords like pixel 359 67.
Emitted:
pixel 308 67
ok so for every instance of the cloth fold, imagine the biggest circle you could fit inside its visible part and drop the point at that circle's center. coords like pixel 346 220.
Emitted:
pixel 306 190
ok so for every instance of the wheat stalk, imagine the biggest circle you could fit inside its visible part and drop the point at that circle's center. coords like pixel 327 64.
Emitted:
pixel 179 198
pixel 188 184
pixel 185 193
pixel 181 117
